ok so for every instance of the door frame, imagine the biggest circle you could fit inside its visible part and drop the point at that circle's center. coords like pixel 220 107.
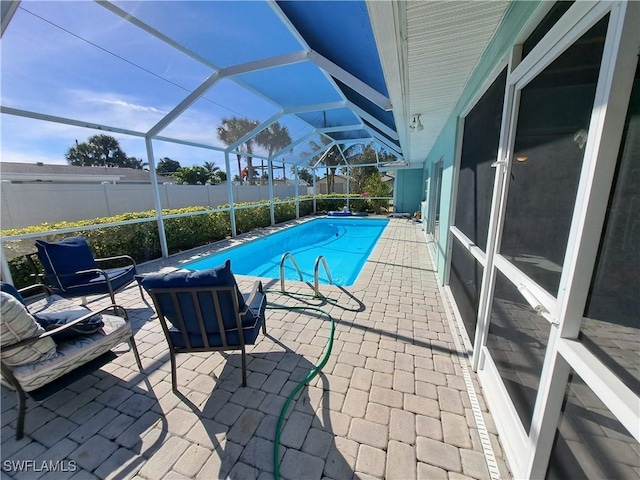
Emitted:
pixel 529 453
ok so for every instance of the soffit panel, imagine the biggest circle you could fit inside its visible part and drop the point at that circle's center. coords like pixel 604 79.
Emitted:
pixel 428 60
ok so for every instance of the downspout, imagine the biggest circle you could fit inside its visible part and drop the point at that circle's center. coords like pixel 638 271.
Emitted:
pixel 156 198
pixel 232 212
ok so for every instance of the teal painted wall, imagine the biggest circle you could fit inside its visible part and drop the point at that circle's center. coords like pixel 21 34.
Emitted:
pixel 516 17
pixel 409 191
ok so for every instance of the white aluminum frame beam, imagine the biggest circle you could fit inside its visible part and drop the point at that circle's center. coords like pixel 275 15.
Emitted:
pixel 317 152
pixel 323 155
pixel 344 128
pixel 68 121
pixel 380 139
pixel 152 31
pixel 156 198
pixel 8 9
pixel 189 143
pixel 351 81
pixel 292 145
pixel 184 104
pixel 318 107
pixel 287 23
pixel 264 64
pixel 373 121
pixel 231 72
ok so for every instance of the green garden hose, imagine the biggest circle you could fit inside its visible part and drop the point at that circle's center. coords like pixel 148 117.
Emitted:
pixel 308 378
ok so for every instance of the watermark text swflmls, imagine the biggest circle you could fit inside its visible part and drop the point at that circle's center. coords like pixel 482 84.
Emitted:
pixel 39 466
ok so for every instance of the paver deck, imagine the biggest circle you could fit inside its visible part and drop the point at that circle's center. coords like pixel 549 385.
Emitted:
pixel 391 401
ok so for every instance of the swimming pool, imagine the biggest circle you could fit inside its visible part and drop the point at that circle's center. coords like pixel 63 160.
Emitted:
pixel 346 243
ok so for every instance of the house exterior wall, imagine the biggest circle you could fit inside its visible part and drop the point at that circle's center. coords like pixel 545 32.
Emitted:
pixel 24 205
pixel 515 19
pixel 410 191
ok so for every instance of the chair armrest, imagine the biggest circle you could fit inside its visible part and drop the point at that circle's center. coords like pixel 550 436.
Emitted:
pixel 79 272
pixel 117 257
pixel 257 287
pixel 34 289
pixel 120 312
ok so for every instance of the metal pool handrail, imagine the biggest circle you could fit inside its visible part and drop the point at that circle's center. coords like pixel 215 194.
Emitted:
pixel 315 273
pixel 295 264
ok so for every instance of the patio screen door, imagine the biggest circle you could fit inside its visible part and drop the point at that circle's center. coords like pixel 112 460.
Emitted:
pixel 551 129
pixel 543 163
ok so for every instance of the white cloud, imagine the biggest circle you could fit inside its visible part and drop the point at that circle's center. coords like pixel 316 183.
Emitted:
pixel 28 140
pixel 132 106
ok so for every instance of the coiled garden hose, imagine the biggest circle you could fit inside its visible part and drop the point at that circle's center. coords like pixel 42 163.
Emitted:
pixel 316 369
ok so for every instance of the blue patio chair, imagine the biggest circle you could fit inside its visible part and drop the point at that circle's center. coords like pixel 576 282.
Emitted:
pixel 72 271
pixel 204 311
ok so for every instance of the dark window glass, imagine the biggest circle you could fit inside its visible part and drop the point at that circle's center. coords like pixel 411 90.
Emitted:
pixel 550 19
pixel 590 442
pixel 465 281
pixel 479 151
pixel 612 328
pixel 517 341
pixel 555 111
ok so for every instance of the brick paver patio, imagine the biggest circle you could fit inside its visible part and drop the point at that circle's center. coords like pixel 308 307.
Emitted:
pixel 390 403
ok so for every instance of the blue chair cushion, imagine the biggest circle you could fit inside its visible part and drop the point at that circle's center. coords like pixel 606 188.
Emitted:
pixel 11 290
pixel 213 277
pixel 59 311
pixel 65 257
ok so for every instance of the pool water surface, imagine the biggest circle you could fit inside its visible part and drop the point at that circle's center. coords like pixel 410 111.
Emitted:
pixel 346 243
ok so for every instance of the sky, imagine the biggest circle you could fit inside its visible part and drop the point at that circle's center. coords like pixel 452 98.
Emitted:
pixel 78 60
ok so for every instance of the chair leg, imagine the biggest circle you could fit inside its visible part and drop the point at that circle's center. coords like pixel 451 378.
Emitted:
pixel 264 326
pixel 134 347
pixel 22 400
pixel 244 367
pixel 174 376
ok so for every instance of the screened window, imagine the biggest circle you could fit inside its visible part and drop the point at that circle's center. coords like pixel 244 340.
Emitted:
pixel 553 124
pixel 465 281
pixel 479 150
pixel 550 19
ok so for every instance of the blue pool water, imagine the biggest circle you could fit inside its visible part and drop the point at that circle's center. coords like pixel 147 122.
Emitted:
pixel 345 243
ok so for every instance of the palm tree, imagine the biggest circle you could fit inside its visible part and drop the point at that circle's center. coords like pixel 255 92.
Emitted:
pixel 330 159
pixel 274 138
pixel 212 169
pixel 98 150
pixel 233 129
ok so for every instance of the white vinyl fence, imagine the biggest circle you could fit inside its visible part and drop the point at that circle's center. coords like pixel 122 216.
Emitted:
pixel 27 204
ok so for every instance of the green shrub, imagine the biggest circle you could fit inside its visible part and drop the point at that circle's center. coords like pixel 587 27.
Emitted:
pixel 141 241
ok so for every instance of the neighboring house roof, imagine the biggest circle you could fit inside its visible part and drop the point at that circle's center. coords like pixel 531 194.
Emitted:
pixel 337 179
pixel 40 172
